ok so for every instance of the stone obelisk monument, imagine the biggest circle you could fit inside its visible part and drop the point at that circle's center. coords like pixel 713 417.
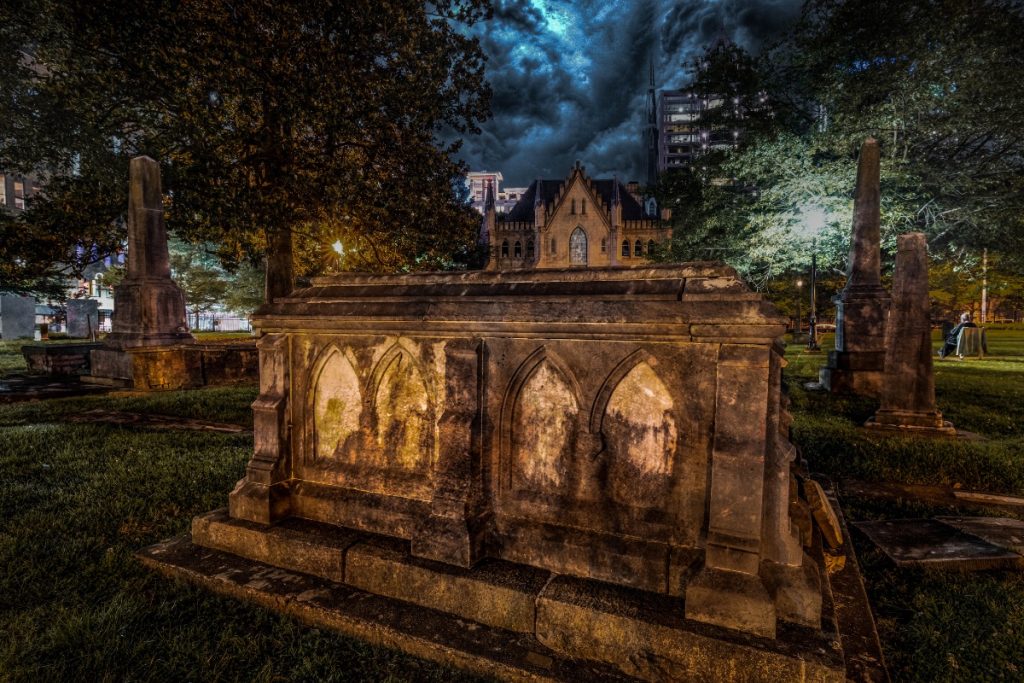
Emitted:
pixel 149 308
pixel 908 392
pixel 857 363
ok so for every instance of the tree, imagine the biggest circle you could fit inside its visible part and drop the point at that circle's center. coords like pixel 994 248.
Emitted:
pixel 937 82
pixel 281 126
pixel 199 275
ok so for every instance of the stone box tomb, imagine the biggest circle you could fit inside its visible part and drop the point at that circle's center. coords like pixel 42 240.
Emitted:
pixel 618 425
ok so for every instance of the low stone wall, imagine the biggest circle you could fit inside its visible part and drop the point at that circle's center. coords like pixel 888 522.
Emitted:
pixel 164 368
pixel 622 424
pixel 59 359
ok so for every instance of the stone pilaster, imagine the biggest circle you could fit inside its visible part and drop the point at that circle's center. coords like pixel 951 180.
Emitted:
pixel 454 532
pixel 728 590
pixel 262 494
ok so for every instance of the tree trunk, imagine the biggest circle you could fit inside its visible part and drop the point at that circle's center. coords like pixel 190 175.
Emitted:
pixel 280 269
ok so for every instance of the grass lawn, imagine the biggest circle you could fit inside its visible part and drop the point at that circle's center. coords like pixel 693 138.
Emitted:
pixel 76 500
pixel 934 625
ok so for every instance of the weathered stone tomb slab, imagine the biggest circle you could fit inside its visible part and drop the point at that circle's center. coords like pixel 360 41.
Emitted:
pixel 956 543
pixel 622 425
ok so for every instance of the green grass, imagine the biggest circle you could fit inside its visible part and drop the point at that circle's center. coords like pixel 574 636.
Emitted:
pixel 77 500
pixel 985 397
pixel 934 625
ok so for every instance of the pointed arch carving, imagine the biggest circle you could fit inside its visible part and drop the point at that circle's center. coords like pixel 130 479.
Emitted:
pixel 400 411
pixel 540 423
pixel 635 414
pixel 335 402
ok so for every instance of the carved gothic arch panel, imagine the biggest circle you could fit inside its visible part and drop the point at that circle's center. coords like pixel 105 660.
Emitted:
pixel 400 412
pixel 635 414
pixel 335 402
pixel 540 425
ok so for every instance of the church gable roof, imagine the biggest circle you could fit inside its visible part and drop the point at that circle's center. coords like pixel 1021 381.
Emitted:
pixel 523 209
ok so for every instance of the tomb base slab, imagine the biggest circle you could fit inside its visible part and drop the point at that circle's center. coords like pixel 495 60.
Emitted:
pixel 498 618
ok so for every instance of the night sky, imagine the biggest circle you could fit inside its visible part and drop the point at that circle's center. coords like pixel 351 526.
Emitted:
pixel 570 78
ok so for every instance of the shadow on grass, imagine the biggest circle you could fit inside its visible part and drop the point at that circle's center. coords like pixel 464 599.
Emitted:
pixel 77 500
pixel 934 625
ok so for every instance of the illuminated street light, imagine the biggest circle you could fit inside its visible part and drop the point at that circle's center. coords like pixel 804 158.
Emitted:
pixel 799 295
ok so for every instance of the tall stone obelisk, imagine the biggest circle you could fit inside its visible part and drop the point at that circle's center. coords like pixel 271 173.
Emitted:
pixel 908 392
pixel 149 308
pixel 857 363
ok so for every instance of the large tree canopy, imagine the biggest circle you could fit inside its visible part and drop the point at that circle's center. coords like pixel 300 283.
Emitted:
pixel 281 126
pixel 936 81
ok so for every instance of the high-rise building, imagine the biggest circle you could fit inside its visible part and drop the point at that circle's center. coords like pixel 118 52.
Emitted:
pixel 700 119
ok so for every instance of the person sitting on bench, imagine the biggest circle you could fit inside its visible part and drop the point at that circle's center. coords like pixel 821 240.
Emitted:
pixel 950 342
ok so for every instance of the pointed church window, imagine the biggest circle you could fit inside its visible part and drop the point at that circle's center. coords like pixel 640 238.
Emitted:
pixel 650 247
pixel 578 247
pixel 504 248
pixel 625 248
pixel 518 249
pixel 604 244
pixel 638 248
pixel 529 249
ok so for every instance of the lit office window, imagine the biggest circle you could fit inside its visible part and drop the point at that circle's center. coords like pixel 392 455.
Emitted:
pixel 3 190
pixel 19 194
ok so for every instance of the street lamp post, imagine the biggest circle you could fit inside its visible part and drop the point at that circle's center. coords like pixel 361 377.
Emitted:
pixel 799 317
pixel 812 331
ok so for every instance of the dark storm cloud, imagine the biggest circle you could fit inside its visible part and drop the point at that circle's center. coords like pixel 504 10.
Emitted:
pixel 570 78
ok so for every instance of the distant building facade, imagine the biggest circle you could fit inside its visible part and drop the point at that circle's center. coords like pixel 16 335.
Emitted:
pixel 16 190
pixel 574 222
pixel 683 132
pixel 504 198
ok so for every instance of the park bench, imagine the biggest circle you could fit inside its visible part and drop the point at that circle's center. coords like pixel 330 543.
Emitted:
pixel 971 341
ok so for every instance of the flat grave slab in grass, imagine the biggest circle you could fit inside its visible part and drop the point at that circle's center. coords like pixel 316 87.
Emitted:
pixel 154 421
pixel 948 543
pixel 14 388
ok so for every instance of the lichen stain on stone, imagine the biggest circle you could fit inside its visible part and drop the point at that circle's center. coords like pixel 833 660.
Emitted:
pixel 336 405
pixel 404 429
pixel 639 421
pixel 544 424
pixel 641 437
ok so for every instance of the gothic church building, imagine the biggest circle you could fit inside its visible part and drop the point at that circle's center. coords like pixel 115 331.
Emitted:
pixel 576 222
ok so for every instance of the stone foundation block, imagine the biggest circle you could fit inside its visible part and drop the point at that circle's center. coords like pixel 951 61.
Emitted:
pixel 796 592
pixel 647 637
pixel 731 599
pixel 311 549
pixel 495 593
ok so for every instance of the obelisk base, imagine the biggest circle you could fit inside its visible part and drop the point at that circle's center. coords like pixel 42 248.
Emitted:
pixel 924 423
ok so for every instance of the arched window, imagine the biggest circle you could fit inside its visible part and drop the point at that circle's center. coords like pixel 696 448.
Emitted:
pixel 638 248
pixel 583 206
pixel 518 249
pixel 604 245
pixel 573 209
pixel 553 246
pixel 529 248
pixel 650 247
pixel 578 247
pixel 504 248
pixel 625 248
